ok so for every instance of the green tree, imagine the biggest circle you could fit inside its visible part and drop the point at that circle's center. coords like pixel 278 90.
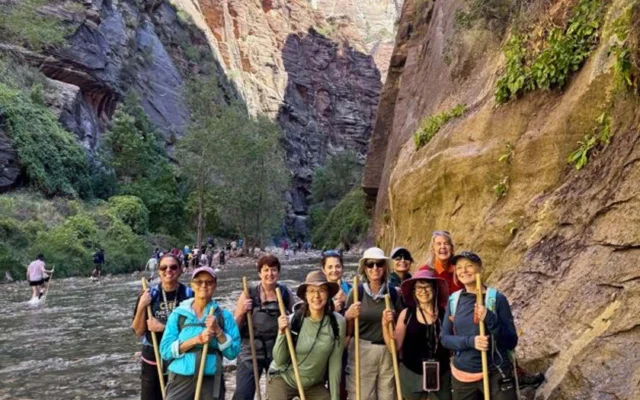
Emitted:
pixel 133 150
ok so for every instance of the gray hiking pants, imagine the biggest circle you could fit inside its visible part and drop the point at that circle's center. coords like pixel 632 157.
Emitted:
pixel 181 387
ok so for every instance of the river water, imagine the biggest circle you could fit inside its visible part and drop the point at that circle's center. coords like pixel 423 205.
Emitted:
pixel 79 345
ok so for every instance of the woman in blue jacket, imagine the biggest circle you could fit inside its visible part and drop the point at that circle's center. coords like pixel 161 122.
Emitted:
pixel 461 334
pixel 188 328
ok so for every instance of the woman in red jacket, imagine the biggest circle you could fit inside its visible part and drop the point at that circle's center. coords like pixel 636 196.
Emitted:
pixel 441 251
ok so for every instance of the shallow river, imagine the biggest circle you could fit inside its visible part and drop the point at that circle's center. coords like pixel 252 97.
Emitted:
pixel 79 345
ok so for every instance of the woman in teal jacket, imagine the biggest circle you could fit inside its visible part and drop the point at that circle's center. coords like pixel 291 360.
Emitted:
pixel 188 328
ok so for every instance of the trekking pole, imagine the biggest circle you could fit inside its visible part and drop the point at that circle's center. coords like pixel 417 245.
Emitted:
pixel 356 336
pixel 203 362
pixel 292 350
pixel 154 340
pixel 485 365
pixel 254 359
pixel 394 354
pixel 46 290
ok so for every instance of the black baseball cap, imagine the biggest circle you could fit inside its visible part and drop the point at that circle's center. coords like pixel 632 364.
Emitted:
pixel 468 255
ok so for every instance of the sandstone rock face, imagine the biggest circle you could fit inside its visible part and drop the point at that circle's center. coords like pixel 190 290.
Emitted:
pixel 562 244
pixel 375 21
pixel 321 87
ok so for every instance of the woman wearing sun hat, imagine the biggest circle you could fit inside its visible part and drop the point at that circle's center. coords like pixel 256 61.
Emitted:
pixel 376 365
pixel 188 328
pixel 417 336
pixel 318 334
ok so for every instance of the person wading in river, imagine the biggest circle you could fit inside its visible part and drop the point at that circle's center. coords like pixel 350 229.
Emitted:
pixel 163 298
pixel 36 275
pixel 189 327
pixel 262 300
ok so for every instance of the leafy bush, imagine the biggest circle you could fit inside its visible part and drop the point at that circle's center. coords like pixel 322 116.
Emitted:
pixel 50 157
pixel 626 69
pixel 132 211
pixel 346 223
pixel 431 125
pixel 564 52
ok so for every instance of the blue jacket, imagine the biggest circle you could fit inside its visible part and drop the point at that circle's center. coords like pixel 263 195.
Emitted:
pixel 459 335
pixel 185 363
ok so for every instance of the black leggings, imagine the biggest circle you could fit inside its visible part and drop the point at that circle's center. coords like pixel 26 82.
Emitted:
pixel 474 390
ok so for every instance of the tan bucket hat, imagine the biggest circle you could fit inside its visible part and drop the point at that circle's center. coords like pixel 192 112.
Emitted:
pixel 317 278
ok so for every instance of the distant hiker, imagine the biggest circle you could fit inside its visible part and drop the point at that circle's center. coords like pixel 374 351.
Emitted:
pixel 285 248
pixel 210 241
pixel 441 251
pixel 98 263
pixel 204 260
pixel 333 268
pixel 37 276
pixel 156 253
pixel 417 336
pixel 307 246
pixel 319 344
pixel 151 266
pixel 262 300
pixel 402 262
pixel 163 298
pixel 461 334
pixel 376 365
pixel 221 257
pixel 189 327
pixel 240 243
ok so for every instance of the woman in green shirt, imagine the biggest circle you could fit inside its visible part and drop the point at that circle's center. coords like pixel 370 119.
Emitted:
pixel 318 334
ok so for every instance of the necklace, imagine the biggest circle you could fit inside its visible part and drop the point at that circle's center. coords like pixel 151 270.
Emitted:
pixel 166 304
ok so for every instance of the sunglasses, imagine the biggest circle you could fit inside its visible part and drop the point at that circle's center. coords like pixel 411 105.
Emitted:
pixel 401 258
pixel 332 253
pixel 173 267
pixel 206 283
pixel 377 263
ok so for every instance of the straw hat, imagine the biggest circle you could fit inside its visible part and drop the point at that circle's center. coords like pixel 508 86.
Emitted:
pixel 442 289
pixel 317 279
pixel 374 253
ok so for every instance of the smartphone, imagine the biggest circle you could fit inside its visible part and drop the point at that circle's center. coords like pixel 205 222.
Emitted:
pixel 431 376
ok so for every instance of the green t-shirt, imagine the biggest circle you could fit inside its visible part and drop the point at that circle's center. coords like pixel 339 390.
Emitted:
pixel 316 351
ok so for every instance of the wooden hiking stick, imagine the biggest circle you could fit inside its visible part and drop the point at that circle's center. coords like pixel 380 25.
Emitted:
pixel 203 362
pixel 485 365
pixel 154 340
pixel 254 359
pixel 46 290
pixel 394 354
pixel 356 336
pixel 292 350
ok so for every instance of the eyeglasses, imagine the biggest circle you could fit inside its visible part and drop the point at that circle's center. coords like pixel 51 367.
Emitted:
pixel 424 289
pixel 173 267
pixel 206 283
pixel 377 263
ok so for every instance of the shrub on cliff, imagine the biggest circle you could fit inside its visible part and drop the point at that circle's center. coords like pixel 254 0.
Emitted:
pixel 50 157
pixel 132 211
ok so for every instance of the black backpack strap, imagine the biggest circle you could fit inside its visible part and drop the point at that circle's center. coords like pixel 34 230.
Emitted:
pixel 296 326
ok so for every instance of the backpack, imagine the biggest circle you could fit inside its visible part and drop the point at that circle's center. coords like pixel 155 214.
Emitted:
pixel 393 293
pixel 254 294
pixel 218 387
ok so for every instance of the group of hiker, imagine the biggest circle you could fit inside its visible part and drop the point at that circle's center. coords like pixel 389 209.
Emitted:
pixel 337 341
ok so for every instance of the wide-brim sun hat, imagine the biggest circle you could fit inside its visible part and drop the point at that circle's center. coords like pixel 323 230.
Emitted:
pixel 317 279
pixel 442 288
pixel 374 253
pixel 208 270
pixel 401 250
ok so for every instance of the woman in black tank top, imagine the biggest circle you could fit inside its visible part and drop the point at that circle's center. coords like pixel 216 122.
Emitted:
pixel 417 336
